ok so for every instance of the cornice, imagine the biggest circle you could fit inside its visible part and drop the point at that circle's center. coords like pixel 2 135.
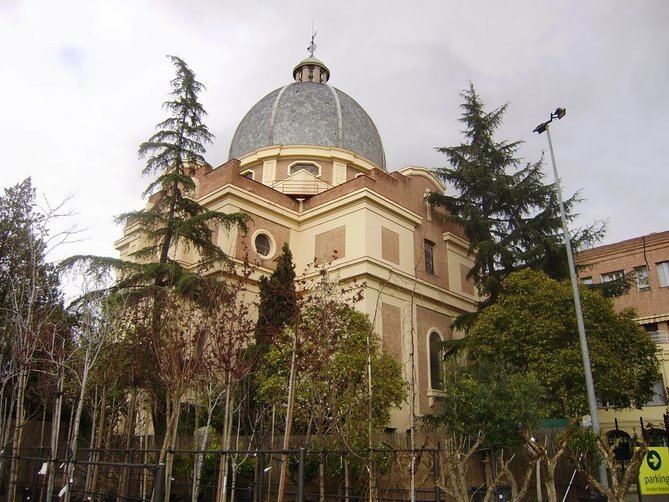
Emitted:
pixel 423 172
pixel 305 151
pixel 297 217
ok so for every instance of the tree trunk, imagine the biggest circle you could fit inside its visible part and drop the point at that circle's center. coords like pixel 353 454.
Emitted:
pixel 540 497
pixel 200 457
pixel 551 492
pixel 75 428
pixel 2 416
pixel 91 444
pixel 289 422
pixel 347 482
pixel 221 486
pixel 55 432
pixel 2 420
pixel 321 477
pixel 227 439
pixel 271 458
pixel 42 430
pixel 18 433
pixel 99 439
pixel 129 434
pixel 4 433
pixel 168 444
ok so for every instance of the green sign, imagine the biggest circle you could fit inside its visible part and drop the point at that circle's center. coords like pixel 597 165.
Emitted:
pixel 654 472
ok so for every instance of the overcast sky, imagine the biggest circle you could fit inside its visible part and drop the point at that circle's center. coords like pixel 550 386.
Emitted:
pixel 82 84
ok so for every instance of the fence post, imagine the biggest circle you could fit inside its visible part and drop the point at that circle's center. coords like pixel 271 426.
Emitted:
pixel 300 477
pixel 257 478
pixel 437 489
pixel 127 475
pixel 159 484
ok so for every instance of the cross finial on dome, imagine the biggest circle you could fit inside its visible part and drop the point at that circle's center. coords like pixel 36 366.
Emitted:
pixel 311 69
pixel 312 45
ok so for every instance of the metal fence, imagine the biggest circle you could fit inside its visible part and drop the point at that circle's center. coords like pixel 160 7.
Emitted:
pixel 98 475
pixel 251 475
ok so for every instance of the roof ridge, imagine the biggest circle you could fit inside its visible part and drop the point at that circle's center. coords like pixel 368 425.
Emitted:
pixel 272 118
pixel 340 120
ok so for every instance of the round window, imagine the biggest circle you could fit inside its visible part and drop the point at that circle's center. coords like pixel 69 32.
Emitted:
pixel 263 244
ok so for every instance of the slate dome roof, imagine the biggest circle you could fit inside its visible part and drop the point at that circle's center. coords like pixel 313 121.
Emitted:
pixel 308 112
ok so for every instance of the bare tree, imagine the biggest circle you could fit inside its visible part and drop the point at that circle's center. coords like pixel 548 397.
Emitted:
pixel 549 450
pixel 99 319
pixel 620 480
pixel 228 358
pixel 31 304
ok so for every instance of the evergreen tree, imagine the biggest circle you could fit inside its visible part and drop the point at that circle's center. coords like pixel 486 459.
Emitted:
pixel 277 299
pixel 23 262
pixel 173 219
pixel 29 284
pixel 509 215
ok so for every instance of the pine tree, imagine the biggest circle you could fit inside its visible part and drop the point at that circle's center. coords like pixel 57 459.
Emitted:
pixel 173 219
pixel 277 299
pixel 509 215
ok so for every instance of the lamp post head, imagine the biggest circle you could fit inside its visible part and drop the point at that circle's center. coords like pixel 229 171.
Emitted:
pixel 542 127
pixel 557 114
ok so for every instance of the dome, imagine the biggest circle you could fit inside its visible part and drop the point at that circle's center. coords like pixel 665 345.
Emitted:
pixel 309 111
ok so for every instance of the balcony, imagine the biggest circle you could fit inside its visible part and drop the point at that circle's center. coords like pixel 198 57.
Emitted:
pixel 303 188
pixel 659 336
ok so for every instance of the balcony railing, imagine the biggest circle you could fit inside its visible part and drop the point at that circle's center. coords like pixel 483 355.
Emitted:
pixel 300 187
pixel 659 336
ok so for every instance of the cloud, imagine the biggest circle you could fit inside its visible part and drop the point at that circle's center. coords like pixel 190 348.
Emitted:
pixel 83 84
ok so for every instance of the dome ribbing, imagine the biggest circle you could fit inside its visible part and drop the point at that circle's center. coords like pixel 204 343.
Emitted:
pixel 309 112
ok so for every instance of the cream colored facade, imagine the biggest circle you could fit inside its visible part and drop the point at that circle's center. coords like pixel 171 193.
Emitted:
pixel 347 223
pixel 334 205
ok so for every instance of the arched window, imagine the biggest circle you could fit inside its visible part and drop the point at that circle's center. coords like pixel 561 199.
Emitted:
pixel 309 167
pixel 436 360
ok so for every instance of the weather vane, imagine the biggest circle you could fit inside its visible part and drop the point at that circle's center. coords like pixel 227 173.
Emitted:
pixel 312 45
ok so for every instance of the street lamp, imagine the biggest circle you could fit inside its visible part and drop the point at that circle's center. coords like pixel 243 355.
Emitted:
pixel 585 354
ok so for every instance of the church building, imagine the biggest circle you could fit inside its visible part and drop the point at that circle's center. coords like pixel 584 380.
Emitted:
pixel 308 166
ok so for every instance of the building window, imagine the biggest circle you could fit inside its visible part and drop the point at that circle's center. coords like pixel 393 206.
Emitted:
pixel 663 273
pixel 587 281
pixel 650 327
pixel 436 360
pixel 309 167
pixel 641 274
pixel 612 276
pixel 263 244
pixel 429 256
pixel 248 174
pixel 428 206
pixel 659 394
